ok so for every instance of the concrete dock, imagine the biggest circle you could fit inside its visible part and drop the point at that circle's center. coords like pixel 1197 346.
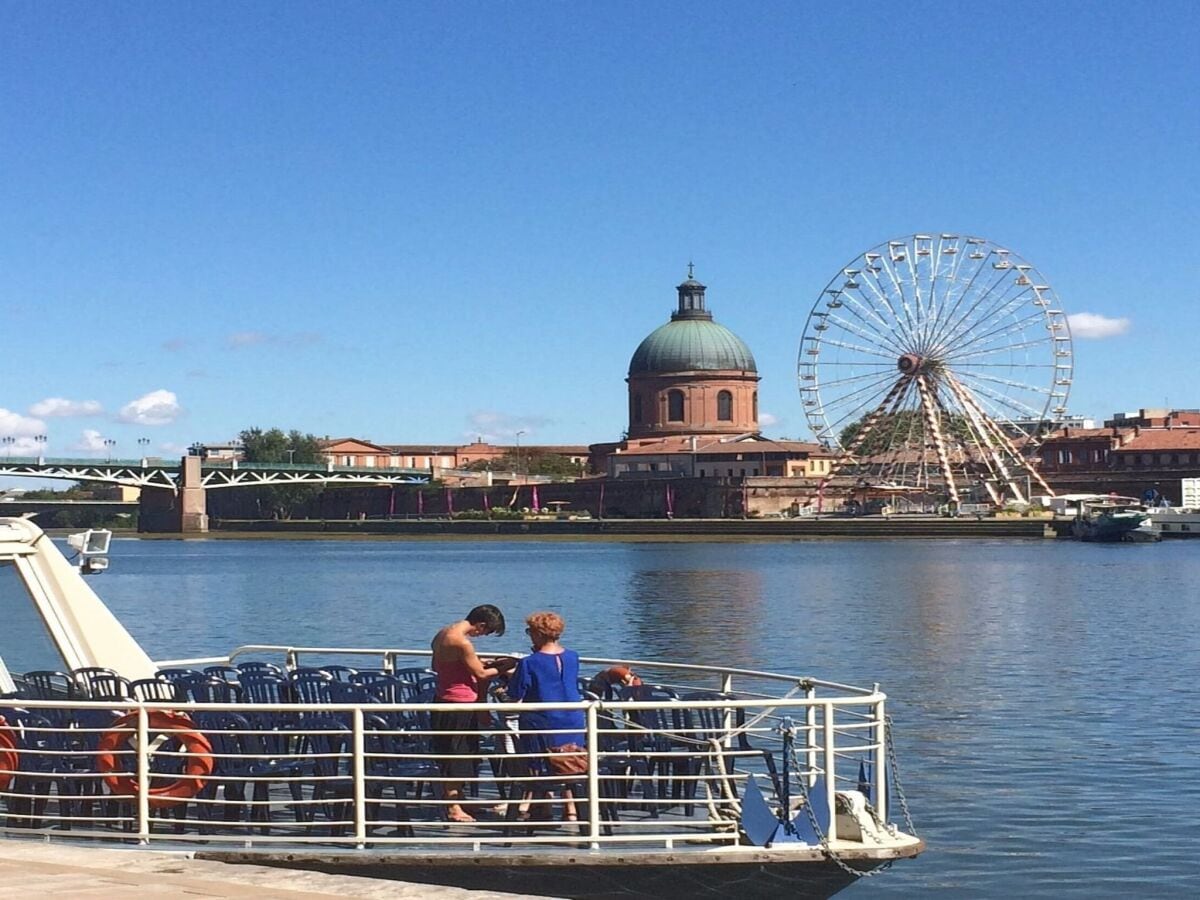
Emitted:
pixel 31 869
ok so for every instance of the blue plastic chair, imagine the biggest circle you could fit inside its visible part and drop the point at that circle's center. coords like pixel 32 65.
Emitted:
pixel 257 667
pixel 206 689
pixel 154 690
pixel 340 673
pixel 311 686
pixel 225 673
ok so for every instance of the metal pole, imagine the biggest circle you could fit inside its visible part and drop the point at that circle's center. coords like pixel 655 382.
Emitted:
pixel 360 780
pixel 810 721
pixel 830 773
pixel 143 775
pixel 881 736
pixel 593 744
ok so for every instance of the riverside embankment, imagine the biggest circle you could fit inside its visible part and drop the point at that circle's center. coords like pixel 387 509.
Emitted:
pixel 653 529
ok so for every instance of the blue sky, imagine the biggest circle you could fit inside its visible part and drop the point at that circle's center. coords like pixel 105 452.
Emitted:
pixel 425 222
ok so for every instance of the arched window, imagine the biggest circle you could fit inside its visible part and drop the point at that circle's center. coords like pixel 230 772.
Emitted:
pixel 724 407
pixel 675 406
pixel 756 406
pixel 637 409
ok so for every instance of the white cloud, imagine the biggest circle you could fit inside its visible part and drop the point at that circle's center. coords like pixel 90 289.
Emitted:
pixel 766 420
pixel 246 339
pixel 23 430
pixel 242 339
pixel 155 408
pixel 89 441
pixel 176 344
pixel 494 426
pixel 18 426
pixel 58 407
pixel 1093 326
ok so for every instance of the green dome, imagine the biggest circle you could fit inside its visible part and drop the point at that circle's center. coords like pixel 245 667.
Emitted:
pixel 687 344
pixel 691 341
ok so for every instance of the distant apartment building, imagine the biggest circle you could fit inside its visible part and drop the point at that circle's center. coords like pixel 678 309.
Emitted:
pixel 366 454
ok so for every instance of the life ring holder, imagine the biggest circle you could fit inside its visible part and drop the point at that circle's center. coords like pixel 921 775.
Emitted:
pixel 197 766
pixel 9 760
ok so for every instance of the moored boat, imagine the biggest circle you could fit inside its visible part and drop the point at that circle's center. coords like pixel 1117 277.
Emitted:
pixel 705 779
pixel 1113 519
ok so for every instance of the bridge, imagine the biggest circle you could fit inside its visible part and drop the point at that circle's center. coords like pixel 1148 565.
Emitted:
pixel 175 495
pixel 157 473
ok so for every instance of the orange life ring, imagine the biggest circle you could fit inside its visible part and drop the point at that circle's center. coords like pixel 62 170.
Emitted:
pixel 198 766
pixel 8 755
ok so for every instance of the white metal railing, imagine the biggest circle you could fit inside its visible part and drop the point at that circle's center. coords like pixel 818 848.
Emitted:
pixel 353 774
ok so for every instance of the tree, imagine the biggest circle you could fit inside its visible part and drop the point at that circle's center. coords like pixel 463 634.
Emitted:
pixel 905 428
pixel 531 463
pixel 276 446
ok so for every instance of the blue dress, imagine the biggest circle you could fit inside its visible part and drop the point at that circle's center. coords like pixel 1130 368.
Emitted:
pixel 548 678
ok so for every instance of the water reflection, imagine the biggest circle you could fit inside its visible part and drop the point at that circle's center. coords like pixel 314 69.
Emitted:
pixel 694 615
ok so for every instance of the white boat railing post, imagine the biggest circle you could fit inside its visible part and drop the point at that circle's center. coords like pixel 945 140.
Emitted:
pixel 727 716
pixel 830 772
pixel 810 722
pixel 881 738
pixel 360 779
pixel 593 746
pixel 143 775
pixel 292 660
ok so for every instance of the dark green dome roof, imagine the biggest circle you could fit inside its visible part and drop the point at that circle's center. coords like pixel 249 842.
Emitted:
pixel 691 341
pixel 691 344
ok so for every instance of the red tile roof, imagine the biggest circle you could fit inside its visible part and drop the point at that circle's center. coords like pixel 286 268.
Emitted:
pixel 1163 439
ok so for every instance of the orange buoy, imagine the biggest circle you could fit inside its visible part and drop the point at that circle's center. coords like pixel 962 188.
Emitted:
pixel 198 764
pixel 8 755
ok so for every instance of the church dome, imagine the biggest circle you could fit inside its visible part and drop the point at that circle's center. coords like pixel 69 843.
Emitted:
pixel 691 341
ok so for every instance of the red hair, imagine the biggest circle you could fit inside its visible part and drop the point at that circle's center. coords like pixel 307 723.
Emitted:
pixel 547 625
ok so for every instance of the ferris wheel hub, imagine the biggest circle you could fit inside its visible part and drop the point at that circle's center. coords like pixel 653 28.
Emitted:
pixel 910 363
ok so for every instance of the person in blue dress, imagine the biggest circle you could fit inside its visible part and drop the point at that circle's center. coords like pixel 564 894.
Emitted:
pixel 550 674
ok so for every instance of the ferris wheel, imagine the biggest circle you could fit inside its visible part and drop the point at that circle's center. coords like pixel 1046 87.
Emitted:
pixel 936 363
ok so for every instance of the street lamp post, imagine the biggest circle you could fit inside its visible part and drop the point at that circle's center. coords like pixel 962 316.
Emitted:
pixel 519 433
pixel 8 440
pixel 291 452
pixel 40 440
pixel 143 443
pixel 109 443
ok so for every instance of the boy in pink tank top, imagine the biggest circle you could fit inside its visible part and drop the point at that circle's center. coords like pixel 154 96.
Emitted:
pixel 461 678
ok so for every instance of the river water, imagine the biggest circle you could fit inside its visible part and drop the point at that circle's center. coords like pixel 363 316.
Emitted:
pixel 1048 719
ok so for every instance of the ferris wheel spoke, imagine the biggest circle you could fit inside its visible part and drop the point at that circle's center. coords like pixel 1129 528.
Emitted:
pixel 875 265
pixel 1020 385
pixel 886 330
pixel 1019 327
pixel 889 266
pixel 998 314
pixel 1011 337
pixel 995 309
pixel 873 377
pixel 1004 401
pixel 868 336
pixel 845 406
pixel 963 294
pixel 957 359
pixel 855 347
pixel 967 317
pixel 849 406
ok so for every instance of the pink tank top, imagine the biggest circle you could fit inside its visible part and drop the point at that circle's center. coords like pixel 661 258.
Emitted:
pixel 455 683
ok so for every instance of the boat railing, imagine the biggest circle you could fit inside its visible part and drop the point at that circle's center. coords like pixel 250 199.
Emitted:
pixel 723 676
pixel 658 772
